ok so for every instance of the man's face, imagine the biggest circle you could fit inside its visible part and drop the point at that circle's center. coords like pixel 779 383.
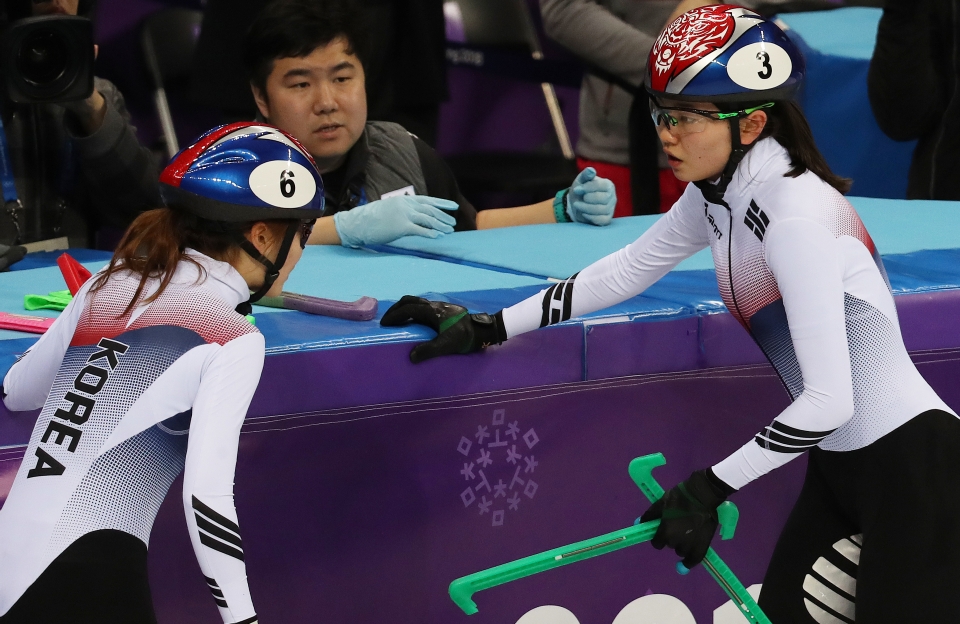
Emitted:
pixel 320 99
pixel 55 7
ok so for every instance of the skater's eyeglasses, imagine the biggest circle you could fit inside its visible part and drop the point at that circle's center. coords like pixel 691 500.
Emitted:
pixel 680 121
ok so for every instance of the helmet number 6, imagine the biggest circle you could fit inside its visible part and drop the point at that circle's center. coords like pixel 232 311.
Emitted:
pixel 764 58
pixel 287 187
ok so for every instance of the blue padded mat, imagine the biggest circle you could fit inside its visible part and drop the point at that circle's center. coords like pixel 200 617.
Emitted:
pixel 924 271
pixel 348 274
pixel 324 271
pixel 900 226
pixel 551 250
pixel 560 250
pixel 850 31
pixel 920 241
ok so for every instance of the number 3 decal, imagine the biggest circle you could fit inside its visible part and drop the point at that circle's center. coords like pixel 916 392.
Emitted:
pixel 764 58
pixel 760 66
pixel 287 187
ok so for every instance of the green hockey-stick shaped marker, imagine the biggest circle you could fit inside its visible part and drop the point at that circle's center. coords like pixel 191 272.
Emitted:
pixel 641 471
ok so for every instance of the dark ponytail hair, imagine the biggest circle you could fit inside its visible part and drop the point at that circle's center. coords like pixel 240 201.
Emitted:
pixel 156 241
pixel 787 124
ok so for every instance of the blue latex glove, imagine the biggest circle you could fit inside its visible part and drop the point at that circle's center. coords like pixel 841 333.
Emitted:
pixel 591 198
pixel 386 220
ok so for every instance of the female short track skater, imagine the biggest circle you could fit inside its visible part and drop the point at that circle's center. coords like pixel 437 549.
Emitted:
pixel 797 268
pixel 149 371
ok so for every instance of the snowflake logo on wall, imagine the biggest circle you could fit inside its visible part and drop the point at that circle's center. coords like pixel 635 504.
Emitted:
pixel 498 467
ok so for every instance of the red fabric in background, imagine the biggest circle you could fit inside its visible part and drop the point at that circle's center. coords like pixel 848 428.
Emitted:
pixel 670 187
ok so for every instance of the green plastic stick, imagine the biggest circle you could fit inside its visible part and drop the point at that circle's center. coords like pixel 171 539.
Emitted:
pixel 462 589
pixel 641 470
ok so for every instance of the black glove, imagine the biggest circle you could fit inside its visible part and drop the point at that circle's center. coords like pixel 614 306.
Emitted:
pixel 688 516
pixel 457 331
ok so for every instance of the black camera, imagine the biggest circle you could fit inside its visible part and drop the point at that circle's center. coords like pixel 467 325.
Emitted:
pixel 48 59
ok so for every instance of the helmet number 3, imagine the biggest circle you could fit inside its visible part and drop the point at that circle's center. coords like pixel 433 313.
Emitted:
pixel 760 66
pixel 767 71
pixel 287 187
pixel 283 183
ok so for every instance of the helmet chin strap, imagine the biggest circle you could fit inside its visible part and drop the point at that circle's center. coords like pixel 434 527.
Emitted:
pixel 273 268
pixel 713 193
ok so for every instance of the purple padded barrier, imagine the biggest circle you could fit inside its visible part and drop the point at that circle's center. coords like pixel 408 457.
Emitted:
pixel 929 320
pixel 363 514
pixel 378 374
pixel 636 348
pixel 688 343
pixel 359 482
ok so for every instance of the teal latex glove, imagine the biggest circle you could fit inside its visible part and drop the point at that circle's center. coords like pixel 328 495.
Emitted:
pixel 591 199
pixel 386 220
pixel 57 300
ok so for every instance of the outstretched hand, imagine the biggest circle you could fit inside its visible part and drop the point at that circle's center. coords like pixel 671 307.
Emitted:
pixel 457 330
pixel 385 220
pixel 688 516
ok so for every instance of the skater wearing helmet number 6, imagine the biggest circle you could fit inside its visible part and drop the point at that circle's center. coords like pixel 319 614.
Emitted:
pixel 149 372
pixel 798 270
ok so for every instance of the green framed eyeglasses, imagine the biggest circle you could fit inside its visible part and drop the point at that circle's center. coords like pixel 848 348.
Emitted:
pixel 680 121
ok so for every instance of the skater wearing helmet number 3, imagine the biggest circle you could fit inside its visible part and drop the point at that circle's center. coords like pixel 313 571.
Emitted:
pixel 149 372
pixel 798 270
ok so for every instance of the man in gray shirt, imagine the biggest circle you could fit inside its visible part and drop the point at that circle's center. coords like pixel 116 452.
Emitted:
pixel 614 36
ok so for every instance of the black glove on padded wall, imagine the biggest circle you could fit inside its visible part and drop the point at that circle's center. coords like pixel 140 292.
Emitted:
pixel 457 331
pixel 688 515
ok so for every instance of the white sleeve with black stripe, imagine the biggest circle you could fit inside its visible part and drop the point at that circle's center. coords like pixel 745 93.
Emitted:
pixel 227 384
pixel 807 263
pixel 678 234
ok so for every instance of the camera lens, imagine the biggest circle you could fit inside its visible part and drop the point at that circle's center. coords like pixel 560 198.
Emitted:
pixel 42 57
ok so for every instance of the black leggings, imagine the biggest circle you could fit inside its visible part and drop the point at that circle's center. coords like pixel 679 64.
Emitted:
pixel 99 579
pixel 875 534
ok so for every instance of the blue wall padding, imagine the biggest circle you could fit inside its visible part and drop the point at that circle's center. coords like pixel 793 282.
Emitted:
pixel 849 32
pixel 920 242
pixel 559 251
pixel 348 274
pixel 549 250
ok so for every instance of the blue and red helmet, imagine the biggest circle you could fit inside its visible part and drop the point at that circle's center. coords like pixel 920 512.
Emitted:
pixel 242 172
pixel 724 53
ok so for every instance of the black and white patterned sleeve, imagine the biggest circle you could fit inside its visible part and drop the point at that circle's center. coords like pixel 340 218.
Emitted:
pixel 226 389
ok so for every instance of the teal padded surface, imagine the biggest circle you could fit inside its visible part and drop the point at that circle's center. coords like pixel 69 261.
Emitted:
pixel 324 271
pixel 348 274
pixel 849 32
pixel 556 250
pixel 900 226
pixel 560 250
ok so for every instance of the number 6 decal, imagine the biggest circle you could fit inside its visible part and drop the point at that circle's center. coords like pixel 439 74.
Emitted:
pixel 287 187
pixel 764 58
pixel 283 183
